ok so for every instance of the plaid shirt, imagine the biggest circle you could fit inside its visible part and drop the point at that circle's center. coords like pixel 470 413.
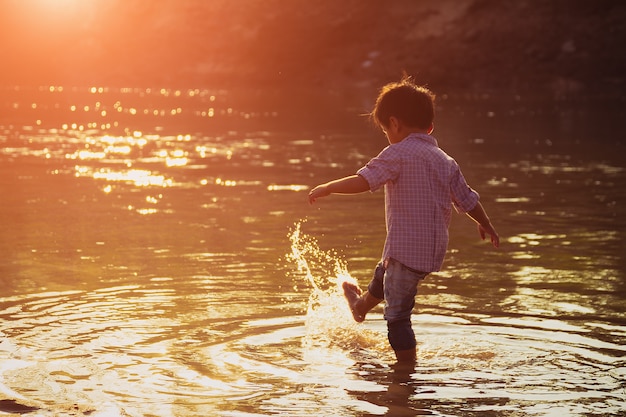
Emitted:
pixel 422 183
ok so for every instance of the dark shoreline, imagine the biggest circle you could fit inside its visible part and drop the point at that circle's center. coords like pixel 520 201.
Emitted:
pixel 536 49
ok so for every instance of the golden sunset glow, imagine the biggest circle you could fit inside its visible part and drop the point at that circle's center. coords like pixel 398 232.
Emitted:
pixel 57 6
pixel 159 255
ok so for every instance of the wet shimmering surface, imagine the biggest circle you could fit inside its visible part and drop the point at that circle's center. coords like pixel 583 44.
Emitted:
pixel 162 267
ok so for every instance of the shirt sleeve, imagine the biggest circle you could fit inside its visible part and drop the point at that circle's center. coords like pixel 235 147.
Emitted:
pixel 464 198
pixel 379 170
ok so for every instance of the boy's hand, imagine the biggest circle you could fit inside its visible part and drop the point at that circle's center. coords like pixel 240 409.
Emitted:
pixel 489 230
pixel 318 192
pixel 348 185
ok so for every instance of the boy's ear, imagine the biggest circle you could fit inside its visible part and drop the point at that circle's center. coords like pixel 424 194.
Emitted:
pixel 394 124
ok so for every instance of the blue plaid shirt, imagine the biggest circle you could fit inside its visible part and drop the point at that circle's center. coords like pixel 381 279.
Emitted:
pixel 422 184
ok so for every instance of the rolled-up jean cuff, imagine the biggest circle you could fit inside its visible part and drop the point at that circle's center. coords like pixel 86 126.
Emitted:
pixel 375 286
pixel 400 334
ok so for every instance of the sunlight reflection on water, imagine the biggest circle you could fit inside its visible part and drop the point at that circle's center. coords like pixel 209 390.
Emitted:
pixel 153 272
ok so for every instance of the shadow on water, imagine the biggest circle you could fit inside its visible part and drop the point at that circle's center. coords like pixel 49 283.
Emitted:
pixel 406 395
pixel 399 390
pixel 12 406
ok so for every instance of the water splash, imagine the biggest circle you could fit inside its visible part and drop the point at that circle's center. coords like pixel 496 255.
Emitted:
pixel 315 263
pixel 329 322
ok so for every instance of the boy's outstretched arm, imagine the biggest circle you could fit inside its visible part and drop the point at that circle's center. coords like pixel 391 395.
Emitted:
pixel 349 185
pixel 484 224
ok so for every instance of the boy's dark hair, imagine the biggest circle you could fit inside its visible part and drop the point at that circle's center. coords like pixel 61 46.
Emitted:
pixel 413 105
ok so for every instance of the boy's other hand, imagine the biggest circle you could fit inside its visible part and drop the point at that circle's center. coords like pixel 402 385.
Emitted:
pixel 489 230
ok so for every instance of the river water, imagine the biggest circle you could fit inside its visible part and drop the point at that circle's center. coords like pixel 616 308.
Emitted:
pixel 160 259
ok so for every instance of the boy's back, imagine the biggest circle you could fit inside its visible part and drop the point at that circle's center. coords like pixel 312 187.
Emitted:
pixel 421 183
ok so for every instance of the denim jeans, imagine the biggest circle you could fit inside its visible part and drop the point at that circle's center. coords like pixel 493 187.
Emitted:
pixel 397 284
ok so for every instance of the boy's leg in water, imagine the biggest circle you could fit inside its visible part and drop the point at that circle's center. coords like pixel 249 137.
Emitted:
pixel 400 290
pixel 361 303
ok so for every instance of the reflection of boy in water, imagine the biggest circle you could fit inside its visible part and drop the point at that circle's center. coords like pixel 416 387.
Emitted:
pixel 421 184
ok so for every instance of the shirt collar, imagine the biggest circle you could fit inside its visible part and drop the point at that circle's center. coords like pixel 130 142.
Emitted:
pixel 423 136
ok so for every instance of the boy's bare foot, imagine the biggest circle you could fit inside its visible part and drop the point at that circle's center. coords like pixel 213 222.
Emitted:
pixel 353 295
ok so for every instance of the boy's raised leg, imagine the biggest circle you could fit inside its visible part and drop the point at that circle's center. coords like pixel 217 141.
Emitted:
pixel 360 303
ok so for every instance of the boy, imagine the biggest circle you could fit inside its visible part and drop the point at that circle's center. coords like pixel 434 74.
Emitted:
pixel 421 184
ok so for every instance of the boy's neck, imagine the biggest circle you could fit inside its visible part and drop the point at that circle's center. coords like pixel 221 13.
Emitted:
pixel 402 133
pixel 417 130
